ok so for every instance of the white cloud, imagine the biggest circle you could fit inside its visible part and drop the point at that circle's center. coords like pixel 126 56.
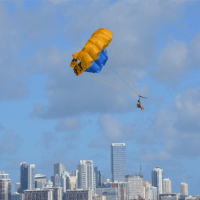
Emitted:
pixel 114 130
pixel 172 62
pixel 153 155
pixel 175 129
pixel 99 143
pixel 68 124
pixel 10 143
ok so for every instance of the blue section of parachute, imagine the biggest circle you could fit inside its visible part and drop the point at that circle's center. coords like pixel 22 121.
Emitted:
pixel 99 63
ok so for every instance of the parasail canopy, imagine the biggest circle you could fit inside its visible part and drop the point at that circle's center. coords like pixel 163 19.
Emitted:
pixel 93 55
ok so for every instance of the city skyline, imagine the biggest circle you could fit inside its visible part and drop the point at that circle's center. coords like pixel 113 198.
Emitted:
pixel 151 191
pixel 49 115
pixel 86 177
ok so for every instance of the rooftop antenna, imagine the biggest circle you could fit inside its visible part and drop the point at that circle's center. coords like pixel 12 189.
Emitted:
pixel 141 166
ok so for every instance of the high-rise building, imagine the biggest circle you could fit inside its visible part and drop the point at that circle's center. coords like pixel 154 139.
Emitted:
pixel 27 176
pixel 17 187
pixel 151 192
pixel 103 178
pixel 57 180
pixel 134 186
pixel 97 177
pixel 157 179
pixel 86 175
pixel 184 188
pixel 60 178
pixel 118 162
pixel 5 186
pixel 40 181
pixel 74 172
pixel 59 169
pixel 167 188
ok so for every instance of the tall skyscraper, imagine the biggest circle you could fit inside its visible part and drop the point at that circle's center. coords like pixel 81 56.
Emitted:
pixel 59 169
pixel 60 176
pixel 86 175
pixel 157 179
pixel 97 176
pixel 167 188
pixel 27 176
pixel 118 162
pixel 5 186
pixel 184 188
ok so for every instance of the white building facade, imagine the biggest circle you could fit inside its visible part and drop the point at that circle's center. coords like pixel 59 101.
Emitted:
pixel 157 179
pixel 167 186
pixel 184 188
pixel 134 186
pixel 151 192
pixel 86 176
pixel 118 162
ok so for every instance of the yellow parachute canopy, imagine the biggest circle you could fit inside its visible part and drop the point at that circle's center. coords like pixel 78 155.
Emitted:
pixel 83 59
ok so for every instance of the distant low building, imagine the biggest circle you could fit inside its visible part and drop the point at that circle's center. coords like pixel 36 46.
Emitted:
pixel 17 196
pixel 79 194
pixel 171 196
pixel 54 193
pixel 196 197
pixel 39 194
pixel 110 192
pixel 97 197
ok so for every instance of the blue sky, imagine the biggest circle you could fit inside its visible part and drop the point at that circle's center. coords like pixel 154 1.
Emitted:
pixel 48 115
